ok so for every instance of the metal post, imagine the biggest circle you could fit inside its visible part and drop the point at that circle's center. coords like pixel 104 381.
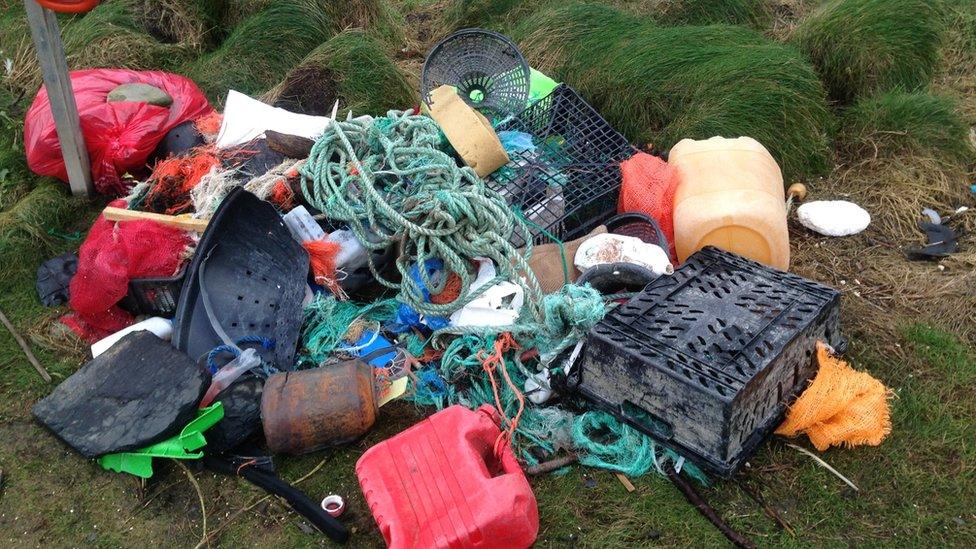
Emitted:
pixel 50 54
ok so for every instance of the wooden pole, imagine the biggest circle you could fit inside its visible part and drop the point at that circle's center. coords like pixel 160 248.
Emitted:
pixel 179 222
pixel 54 66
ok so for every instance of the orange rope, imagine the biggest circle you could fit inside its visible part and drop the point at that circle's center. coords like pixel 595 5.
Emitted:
pixel 490 363
pixel 321 258
pixel 282 195
pixel 451 291
pixel 209 124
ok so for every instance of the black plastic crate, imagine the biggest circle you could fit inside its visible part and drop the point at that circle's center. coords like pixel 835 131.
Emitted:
pixel 154 296
pixel 571 182
pixel 707 360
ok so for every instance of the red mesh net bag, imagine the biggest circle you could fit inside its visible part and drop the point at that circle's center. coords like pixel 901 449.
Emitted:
pixel 648 188
pixel 112 254
pixel 119 135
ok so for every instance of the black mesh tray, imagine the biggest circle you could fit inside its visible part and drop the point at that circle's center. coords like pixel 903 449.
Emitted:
pixel 570 184
pixel 154 296
pixel 706 360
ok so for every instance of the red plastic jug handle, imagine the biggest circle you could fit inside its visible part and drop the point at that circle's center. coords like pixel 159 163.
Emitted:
pixel 68 6
pixel 509 464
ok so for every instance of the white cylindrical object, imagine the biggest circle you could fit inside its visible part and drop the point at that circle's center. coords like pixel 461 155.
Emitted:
pixel 161 327
pixel 302 225
pixel 352 254
pixel 333 505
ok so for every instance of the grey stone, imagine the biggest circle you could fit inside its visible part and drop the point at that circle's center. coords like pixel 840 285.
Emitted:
pixel 143 93
pixel 138 392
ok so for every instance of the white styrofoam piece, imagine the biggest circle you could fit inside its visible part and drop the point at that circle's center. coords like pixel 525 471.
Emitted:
pixel 833 217
pixel 499 305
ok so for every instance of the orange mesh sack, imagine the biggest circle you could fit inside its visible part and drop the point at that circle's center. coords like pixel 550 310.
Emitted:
pixel 840 407
pixel 648 185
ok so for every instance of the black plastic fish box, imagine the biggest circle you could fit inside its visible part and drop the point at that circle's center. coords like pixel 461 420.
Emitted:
pixel 706 361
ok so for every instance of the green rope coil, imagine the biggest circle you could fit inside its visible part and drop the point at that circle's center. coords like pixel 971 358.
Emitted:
pixel 390 183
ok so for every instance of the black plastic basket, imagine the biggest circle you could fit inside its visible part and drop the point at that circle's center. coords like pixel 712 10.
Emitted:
pixel 706 360
pixel 154 296
pixel 570 183
pixel 640 226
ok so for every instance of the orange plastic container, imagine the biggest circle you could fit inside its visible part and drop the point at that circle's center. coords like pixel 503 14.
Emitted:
pixel 730 196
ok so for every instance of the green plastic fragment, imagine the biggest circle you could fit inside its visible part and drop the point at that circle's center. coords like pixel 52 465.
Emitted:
pixel 182 446
pixel 540 85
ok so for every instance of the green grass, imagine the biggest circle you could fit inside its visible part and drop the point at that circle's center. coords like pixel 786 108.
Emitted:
pixel 707 12
pixel 262 48
pixel 15 179
pixel 661 84
pixel 352 67
pixel 503 15
pixel 898 122
pixel 861 47
pixel 498 15
pixel 115 34
pixel 190 22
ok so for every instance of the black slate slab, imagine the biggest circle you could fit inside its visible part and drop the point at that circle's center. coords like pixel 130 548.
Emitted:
pixel 137 393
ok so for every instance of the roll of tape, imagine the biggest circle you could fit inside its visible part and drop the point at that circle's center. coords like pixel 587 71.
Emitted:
pixel 469 132
pixel 333 505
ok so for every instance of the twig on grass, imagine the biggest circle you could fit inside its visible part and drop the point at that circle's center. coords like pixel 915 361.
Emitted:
pixel 707 511
pixel 203 508
pixel 551 465
pixel 770 511
pixel 825 465
pixel 24 347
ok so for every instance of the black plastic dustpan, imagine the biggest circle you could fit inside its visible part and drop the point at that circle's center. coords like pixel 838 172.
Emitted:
pixel 247 279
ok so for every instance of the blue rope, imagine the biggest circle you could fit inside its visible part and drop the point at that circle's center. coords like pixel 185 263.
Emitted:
pixel 266 343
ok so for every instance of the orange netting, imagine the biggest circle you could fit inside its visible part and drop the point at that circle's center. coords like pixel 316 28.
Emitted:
pixel 451 291
pixel 321 258
pixel 840 407
pixel 282 195
pixel 209 125
pixel 173 179
pixel 494 361
pixel 648 187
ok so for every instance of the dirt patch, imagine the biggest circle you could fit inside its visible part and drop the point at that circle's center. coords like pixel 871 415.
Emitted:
pixel 309 90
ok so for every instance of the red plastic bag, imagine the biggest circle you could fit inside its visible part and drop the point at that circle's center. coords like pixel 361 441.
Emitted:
pixel 119 136
pixel 648 187
pixel 112 254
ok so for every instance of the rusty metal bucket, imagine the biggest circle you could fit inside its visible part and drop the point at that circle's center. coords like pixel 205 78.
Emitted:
pixel 309 410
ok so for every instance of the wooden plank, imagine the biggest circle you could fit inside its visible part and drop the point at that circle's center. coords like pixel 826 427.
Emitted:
pixel 179 222
pixel 54 66
pixel 626 482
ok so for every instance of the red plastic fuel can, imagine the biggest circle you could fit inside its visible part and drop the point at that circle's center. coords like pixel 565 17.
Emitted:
pixel 440 484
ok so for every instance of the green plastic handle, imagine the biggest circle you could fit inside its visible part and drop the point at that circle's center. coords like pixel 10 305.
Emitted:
pixel 182 446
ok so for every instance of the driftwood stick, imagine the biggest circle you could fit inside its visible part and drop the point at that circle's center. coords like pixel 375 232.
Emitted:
pixel 707 511
pixel 24 347
pixel 551 465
